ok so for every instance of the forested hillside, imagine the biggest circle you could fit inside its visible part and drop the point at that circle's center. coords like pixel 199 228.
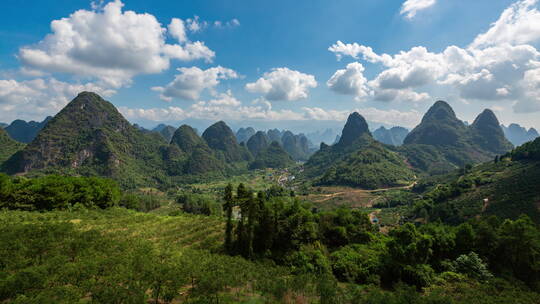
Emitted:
pixel 358 160
pixel 442 143
pixel 506 187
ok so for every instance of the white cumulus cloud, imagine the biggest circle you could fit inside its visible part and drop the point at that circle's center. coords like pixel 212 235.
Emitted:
pixel 111 45
pixel 518 24
pixel 350 81
pixel 499 65
pixel 411 7
pixel 191 82
pixel 283 84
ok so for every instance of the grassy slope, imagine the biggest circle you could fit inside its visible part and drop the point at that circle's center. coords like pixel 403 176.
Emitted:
pixel 183 231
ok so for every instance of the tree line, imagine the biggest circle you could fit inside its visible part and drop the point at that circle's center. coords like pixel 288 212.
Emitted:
pixel 344 243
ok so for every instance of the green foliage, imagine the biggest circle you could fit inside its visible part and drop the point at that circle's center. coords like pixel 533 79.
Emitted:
pixel 141 201
pixel 358 263
pixel 529 150
pixel 472 265
pixel 309 259
pixel 482 189
pixel 23 131
pixel 119 255
pixel 390 199
pixel 203 161
pixel 439 127
pixel 199 204
pixel 344 226
pixel 430 159
pixel 48 259
pixel 8 146
pixel 57 192
pixel 186 138
pixel 355 128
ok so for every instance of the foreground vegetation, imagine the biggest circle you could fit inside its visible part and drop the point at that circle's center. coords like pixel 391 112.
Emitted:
pixel 72 243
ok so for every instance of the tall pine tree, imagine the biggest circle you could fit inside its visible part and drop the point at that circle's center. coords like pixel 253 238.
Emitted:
pixel 228 206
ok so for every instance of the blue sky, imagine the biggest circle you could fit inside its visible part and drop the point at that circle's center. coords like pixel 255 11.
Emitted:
pixel 268 62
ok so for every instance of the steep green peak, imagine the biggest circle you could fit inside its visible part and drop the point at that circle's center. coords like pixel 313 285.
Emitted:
pixel 257 143
pixel 486 118
pixel 221 139
pixel 488 134
pixel 90 101
pixel 440 111
pixel 25 132
pixel 88 96
pixel 186 138
pixel 218 135
pixel 355 127
pixel 85 112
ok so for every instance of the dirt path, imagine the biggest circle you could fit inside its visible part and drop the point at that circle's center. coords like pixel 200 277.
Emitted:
pixel 331 195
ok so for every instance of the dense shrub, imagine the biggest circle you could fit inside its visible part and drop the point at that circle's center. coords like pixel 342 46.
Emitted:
pixel 141 202
pixel 199 204
pixel 57 192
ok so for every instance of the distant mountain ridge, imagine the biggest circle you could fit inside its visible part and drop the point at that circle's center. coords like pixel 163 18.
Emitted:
pixel 297 146
pixel 393 136
pixel 327 136
pixel 90 137
pixel 518 135
pixel 166 131
pixel 25 132
pixel 244 134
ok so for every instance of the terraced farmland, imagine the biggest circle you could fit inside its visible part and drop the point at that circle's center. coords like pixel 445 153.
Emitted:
pixel 183 231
